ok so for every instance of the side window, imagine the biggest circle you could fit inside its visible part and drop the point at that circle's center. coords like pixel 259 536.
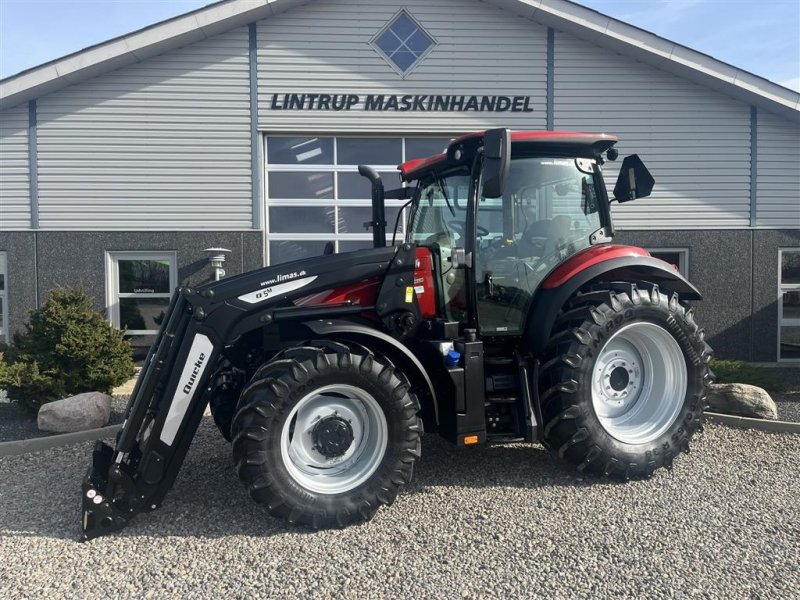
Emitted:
pixel 138 289
pixel 440 223
pixel 4 335
pixel 677 257
pixel 789 305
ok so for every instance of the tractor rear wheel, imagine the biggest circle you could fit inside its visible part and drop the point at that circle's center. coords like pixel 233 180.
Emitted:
pixel 624 381
pixel 325 434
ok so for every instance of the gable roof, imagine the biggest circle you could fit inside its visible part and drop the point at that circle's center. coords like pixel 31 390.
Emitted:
pixel 561 15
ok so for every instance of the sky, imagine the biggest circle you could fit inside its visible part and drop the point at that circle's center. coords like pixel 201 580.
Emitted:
pixel 760 36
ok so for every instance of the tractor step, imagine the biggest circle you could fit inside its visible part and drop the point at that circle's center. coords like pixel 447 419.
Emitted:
pixel 504 439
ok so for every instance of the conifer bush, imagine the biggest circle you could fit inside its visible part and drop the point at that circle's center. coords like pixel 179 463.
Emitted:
pixel 67 348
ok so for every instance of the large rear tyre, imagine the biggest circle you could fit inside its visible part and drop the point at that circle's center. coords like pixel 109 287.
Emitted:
pixel 624 381
pixel 325 434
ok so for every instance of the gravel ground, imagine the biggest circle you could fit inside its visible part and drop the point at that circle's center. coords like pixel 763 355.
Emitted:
pixel 504 521
pixel 18 424
pixel 788 404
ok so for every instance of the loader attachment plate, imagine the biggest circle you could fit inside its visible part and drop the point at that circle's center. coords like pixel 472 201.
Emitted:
pixel 99 513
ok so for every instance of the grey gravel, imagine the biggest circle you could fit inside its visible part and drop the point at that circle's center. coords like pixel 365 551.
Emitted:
pixel 503 522
pixel 788 404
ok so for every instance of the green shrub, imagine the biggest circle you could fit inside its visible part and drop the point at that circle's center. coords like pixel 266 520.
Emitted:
pixel 67 348
pixel 736 371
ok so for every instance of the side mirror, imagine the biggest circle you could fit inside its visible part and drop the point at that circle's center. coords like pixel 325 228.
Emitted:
pixel 496 161
pixel 634 180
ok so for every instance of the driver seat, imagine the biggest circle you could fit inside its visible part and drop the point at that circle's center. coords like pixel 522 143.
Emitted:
pixel 554 233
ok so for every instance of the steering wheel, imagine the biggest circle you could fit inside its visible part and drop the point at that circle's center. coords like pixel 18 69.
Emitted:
pixel 459 227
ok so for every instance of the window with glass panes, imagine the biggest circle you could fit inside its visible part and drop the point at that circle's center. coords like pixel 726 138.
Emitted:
pixel 678 257
pixel 315 194
pixel 140 285
pixel 789 304
pixel 3 297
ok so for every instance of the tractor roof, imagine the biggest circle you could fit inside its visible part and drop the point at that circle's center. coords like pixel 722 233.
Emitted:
pixel 578 144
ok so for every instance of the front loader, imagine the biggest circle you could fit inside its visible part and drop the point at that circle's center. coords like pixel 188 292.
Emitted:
pixel 506 314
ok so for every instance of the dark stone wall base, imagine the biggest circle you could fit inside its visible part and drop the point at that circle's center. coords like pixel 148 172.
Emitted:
pixel 737 272
pixel 43 260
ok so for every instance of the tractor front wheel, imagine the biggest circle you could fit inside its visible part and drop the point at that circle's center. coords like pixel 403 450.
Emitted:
pixel 624 382
pixel 325 434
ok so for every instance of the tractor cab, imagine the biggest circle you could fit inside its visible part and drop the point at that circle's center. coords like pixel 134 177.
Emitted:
pixel 498 211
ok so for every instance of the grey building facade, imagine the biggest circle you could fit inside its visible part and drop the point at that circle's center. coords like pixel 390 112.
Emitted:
pixel 241 125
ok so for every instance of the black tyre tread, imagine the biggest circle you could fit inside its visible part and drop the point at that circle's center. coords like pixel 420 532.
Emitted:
pixel 269 395
pixel 222 402
pixel 568 426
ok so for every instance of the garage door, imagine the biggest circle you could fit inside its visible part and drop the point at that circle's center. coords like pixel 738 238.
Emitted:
pixel 315 194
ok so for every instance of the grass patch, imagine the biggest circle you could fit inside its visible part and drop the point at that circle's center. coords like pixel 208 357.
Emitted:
pixel 736 371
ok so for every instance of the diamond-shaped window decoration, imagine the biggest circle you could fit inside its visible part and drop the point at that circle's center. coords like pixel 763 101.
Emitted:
pixel 403 42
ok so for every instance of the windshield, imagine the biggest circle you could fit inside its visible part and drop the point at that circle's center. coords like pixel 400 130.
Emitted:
pixel 441 214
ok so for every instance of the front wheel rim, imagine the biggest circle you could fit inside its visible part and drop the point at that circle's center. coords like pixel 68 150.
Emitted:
pixel 639 383
pixel 368 430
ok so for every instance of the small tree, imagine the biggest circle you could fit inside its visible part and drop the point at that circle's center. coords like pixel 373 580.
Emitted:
pixel 67 348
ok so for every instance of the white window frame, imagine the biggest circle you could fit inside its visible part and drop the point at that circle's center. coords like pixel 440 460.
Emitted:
pixel 4 326
pixel 334 168
pixel 785 287
pixel 683 258
pixel 112 283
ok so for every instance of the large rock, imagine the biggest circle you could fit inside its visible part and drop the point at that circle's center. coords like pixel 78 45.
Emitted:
pixel 76 413
pixel 742 400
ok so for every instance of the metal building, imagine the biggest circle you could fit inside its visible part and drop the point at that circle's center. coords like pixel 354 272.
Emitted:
pixel 240 126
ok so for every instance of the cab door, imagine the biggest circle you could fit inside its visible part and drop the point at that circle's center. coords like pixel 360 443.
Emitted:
pixel 440 224
pixel 547 213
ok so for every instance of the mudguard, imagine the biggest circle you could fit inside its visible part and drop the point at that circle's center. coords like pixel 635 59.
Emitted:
pixel 555 291
pixel 386 344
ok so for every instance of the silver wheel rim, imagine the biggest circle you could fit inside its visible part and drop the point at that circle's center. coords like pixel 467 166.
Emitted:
pixel 312 469
pixel 639 383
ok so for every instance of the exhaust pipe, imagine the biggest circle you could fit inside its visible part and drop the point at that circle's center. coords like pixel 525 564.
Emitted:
pixel 378 222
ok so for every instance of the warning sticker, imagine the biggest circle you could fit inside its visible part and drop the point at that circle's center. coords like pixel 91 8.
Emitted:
pixel 409 294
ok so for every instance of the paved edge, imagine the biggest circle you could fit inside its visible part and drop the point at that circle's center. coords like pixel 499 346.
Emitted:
pixel 54 441
pixel 749 423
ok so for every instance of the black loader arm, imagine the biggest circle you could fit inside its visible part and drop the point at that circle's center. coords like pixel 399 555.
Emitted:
pixel 168 401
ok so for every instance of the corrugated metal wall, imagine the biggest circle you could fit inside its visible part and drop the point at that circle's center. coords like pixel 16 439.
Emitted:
pixel 324 47
pixel 695 141
pixel 778 191
pixel 163 144
pixel 15 206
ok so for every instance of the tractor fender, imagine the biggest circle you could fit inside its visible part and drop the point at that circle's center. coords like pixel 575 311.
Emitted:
pixel 398 353
pixel 550 298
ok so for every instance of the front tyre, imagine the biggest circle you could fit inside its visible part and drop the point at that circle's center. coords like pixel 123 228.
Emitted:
pixel 624 381
pixel 325 434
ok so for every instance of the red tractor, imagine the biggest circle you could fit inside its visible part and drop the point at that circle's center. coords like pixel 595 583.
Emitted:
pixel 506 314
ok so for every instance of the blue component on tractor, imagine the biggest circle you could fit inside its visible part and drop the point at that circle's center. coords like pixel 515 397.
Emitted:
pixel 452 358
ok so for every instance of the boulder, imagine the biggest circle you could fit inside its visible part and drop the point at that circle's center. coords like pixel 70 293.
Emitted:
pixel 76 413
pixel 741 400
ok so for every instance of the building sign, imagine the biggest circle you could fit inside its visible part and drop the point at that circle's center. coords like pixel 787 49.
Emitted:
pixel 401 103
